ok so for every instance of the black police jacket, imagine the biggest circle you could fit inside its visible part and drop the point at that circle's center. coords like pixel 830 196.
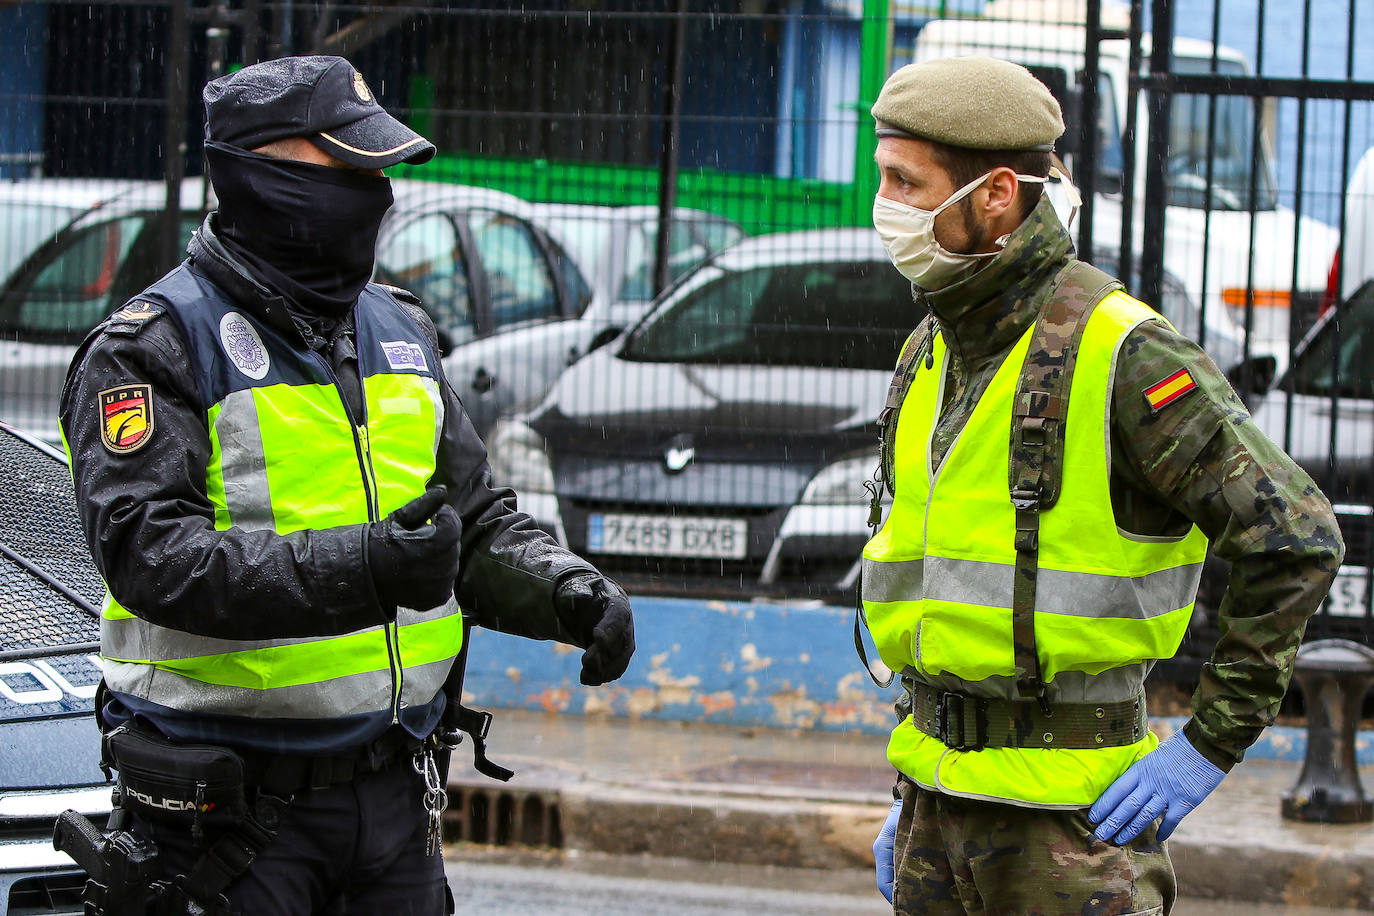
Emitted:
pixel 150 525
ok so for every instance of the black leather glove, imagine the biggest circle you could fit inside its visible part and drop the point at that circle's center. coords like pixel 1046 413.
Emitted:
pixel 597 612
pixel 413 553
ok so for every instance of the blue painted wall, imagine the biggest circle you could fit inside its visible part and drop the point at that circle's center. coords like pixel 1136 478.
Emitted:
pixel 776 665
pixel 771 665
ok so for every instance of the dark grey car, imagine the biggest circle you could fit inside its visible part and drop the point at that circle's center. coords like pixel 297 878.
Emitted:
pixel 721 447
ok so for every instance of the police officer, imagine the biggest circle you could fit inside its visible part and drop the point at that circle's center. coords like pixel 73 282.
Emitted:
pixel 289 506
pixel 1060 460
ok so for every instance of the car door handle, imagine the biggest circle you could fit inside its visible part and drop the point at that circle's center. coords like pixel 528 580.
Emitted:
pixel 483 381
pixel 573 354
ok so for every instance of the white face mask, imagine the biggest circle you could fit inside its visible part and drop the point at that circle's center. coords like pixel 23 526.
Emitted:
pixel 908 233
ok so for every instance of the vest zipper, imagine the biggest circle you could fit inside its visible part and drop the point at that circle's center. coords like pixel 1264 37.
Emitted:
pixel 393 638
pixel 363 448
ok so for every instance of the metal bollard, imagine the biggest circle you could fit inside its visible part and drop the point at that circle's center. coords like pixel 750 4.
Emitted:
pixel 1334 675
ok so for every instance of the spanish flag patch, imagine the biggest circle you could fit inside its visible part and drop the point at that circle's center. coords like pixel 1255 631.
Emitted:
pixel 1163 393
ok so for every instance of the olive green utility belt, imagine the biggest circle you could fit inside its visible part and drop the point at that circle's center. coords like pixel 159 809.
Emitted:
pixel 967 723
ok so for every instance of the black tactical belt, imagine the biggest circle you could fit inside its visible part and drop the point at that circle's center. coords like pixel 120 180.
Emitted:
pixel 290 773
pixel 967 723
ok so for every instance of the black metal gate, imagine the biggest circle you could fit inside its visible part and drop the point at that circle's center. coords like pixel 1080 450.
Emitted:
pixel 1221 168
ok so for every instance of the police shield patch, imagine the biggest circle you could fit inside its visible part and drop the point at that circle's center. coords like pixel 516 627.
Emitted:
pixel 126 417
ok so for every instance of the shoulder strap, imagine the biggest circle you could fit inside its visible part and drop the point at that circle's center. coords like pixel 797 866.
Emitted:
pixel 918 345
pixel 1037 441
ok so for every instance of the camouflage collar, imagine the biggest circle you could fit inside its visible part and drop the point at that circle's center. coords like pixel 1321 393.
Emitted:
pixel 984 314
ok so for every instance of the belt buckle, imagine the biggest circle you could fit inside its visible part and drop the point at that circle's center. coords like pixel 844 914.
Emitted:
pixel 949 709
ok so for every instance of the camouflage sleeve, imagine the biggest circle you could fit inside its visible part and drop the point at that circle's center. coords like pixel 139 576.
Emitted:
pixel 1200 457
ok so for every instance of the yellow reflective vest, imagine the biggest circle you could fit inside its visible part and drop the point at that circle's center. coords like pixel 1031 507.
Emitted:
pixel 287 457
pixel 938 577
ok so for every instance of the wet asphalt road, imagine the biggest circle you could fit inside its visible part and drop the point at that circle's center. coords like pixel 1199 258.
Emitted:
pixel 594 885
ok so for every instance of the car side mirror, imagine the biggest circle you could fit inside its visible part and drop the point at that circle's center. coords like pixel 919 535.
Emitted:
pixel 1253 376
pixel 603 337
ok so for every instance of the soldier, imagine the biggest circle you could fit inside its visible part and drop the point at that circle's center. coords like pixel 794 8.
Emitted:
pixel 1060 460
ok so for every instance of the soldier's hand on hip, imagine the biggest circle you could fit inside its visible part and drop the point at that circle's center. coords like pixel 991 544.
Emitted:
pixel 597 612
pixel 413 553
pixel 1171 780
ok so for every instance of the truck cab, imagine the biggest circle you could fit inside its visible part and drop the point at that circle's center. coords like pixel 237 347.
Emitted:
pixel 1208 238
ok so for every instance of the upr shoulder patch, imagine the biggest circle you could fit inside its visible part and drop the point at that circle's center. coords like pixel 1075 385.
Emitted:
pixel 1168 390
pixel 126 417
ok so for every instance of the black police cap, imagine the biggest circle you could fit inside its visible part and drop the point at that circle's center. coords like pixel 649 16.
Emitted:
pixel 322 99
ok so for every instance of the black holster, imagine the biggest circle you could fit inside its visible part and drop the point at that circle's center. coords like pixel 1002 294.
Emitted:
pixel 459 720
pixel 195 786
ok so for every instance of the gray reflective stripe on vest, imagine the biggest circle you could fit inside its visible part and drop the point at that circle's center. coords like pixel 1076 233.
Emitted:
pixel 1120 683
pixel 431 387
pixel 134 639
pixel 244 463
pixel 422 682
pixel 369 692
pixel 1071 594
pixel 892 581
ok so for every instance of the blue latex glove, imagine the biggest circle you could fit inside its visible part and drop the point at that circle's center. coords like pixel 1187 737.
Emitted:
pixel 883 851
pixel 1172 780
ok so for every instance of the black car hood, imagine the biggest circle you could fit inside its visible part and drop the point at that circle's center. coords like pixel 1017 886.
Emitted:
pixel 47 722
pixel 604 389
pixel 757 434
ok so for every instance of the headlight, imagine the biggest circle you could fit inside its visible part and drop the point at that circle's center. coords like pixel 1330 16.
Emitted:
pixel 842 482
pixel 519 459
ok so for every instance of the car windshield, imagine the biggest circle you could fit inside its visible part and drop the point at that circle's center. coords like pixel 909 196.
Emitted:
pixel 1232 131
pixel 1339 360
pixel 585 237
pixel 28 225
pixel 847 314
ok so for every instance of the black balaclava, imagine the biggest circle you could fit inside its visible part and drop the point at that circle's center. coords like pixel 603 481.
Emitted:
pixel 305 231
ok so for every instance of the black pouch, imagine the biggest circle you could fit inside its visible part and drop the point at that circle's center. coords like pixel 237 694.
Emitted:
pixel 190 784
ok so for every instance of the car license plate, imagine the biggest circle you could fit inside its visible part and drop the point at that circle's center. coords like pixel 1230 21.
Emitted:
pixel 1347 595
pixel 667 535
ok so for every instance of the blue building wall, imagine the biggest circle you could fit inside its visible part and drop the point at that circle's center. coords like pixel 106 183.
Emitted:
pixel 745 664
pixel 23 46
pixel 729 663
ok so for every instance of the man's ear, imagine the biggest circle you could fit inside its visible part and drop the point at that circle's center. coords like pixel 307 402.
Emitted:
pixel 1001 186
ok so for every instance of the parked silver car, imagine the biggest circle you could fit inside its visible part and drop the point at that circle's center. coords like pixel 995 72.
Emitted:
pixel 506 298
pixel 73 251
pixel 616 248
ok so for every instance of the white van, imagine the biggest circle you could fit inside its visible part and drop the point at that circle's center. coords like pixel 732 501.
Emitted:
pixel 1356 264
pixel 1017 30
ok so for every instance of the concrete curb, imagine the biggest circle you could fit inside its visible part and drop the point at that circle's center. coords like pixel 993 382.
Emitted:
pixel 1308 865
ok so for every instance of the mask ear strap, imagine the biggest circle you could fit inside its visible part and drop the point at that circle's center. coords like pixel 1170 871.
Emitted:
pixel 1070 189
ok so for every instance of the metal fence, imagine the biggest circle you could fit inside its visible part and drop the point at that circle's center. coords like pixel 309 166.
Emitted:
pixel 1218 145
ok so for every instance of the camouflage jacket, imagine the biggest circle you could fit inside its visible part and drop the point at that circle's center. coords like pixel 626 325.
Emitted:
pixel 1197 460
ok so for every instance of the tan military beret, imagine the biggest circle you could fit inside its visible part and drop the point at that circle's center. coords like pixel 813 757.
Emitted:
pixel 973 102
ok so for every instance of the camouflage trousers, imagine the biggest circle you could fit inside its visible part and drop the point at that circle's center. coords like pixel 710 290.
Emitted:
pixel 959 856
